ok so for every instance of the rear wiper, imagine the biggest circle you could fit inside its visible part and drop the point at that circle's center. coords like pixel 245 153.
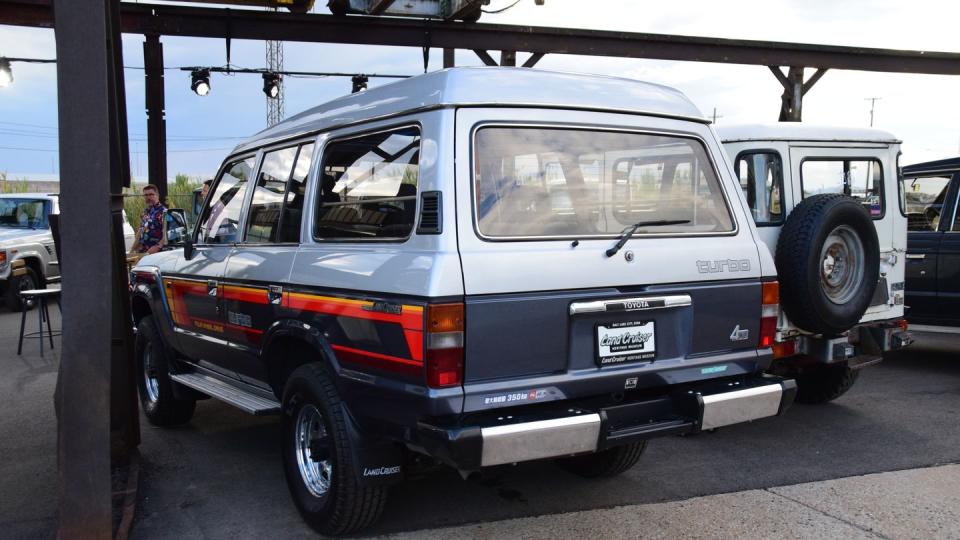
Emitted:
pixel 628 232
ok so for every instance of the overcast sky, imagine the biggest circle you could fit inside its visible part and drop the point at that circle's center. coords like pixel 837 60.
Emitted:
pixel 920 109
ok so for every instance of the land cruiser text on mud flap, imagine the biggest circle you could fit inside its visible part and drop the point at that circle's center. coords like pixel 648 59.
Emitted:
pixel 479 265
pixel 825 203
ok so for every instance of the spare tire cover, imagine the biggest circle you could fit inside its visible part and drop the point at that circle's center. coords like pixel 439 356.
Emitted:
pixel 828 263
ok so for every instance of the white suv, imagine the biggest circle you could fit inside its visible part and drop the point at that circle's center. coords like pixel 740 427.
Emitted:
pixel 825 203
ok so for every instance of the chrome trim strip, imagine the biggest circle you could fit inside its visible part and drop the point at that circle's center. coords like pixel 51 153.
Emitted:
pixel 642 303
pixel 916 256
pixel 542 439
pixel 741 406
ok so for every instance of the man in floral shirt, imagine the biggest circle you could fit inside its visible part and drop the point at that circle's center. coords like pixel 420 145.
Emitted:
pixel 150 235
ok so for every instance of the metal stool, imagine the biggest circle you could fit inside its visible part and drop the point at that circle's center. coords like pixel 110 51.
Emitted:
pixel 41 296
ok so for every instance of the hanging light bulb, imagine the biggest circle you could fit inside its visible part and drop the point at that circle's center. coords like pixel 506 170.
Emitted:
pixel 271 85
pixel 6 74
pixel 200 81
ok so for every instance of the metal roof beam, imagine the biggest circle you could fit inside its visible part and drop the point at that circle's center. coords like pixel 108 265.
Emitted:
pixel 248 24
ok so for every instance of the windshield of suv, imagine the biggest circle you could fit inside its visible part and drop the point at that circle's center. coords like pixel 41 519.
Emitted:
pixel 562 183
pixel 23 213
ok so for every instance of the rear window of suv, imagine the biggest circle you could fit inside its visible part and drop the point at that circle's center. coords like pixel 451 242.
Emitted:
pixel 861 179
pixel 533 182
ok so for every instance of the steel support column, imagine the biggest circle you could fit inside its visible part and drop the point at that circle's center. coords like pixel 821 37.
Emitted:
pixel 794 88
pixel 83 431
pixel 508 58
pixel 156 121
pixel 449 58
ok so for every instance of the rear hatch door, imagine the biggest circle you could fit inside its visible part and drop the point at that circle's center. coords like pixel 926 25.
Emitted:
pixel 549 315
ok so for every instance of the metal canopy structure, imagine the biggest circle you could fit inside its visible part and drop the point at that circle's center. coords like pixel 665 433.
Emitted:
pixel 185 21
pixel 206 22
pixel 95 383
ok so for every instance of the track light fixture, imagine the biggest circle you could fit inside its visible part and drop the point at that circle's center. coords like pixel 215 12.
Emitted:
pixel 271 85
pixel 200 81
pixel 6 74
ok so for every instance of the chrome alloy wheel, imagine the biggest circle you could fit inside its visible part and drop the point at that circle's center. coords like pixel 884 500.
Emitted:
pixel 311 446
pixel 842 264
pixel 150 374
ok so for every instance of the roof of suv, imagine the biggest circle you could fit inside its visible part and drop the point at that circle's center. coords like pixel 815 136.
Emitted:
pixel 493 86
pixel 929 167
pixel 796 131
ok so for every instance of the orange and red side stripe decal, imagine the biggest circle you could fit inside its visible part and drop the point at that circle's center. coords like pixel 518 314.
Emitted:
pixel 245 294
pixel 410 318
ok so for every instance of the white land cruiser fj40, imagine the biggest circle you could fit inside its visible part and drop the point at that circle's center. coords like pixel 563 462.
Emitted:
pixel 27 255
pixel 478 265
pixel 824 200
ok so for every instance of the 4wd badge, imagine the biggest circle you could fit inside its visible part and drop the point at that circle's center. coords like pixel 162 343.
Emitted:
pixel 739 335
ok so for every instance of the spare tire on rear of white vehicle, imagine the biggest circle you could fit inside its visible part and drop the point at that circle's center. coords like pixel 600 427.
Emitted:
pixel 828 263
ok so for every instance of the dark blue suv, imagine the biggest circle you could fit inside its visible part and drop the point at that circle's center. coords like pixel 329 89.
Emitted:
pixel 928 197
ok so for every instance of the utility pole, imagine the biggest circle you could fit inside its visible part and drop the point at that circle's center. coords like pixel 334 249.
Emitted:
pixel 715 115
pixel 873 103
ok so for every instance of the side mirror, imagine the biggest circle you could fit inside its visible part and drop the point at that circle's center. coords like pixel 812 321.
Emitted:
pixel 176 232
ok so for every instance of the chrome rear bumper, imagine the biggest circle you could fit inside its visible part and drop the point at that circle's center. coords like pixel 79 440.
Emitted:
pixel 503 439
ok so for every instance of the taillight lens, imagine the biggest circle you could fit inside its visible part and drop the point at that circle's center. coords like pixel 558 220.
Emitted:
pixel 444 359
pixel 769 311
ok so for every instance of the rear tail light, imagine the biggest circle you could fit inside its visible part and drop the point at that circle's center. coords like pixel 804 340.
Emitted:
pixel 769 311
pixel 785 348
pixel 444 360
pixel 903 324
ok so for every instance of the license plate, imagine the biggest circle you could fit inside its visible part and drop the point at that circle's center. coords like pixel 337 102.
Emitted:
pixel 625 342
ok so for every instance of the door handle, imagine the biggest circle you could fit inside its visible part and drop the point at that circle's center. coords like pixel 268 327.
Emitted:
pixel 916 256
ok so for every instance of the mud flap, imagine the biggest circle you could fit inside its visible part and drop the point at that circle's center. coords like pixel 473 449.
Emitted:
pixel 377 461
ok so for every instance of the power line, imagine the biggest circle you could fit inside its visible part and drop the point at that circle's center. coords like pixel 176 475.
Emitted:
pixel 135 152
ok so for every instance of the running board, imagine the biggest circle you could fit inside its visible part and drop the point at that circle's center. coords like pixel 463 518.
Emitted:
pixel 245 401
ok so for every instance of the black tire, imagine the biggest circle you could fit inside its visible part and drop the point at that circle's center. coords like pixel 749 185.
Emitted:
pixel 342 505
pixel 801 252
pixel 159 403
pixel 823 383
pixel 15 284
pixel 604 463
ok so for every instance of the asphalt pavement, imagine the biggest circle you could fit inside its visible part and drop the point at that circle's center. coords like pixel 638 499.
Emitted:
pixel 220 475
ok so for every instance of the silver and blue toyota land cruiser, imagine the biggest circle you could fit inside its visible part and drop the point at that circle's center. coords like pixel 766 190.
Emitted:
pixel 480 265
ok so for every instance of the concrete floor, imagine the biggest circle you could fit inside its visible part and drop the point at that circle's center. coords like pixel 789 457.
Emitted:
pixel 28 431
pixel 796 476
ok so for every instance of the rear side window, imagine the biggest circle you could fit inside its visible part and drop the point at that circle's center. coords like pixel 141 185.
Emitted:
pixel 563 183
pixel 368 187
pixel 761 179
pixel 221 217
pixel 922 200
pixel 263 225
pixel 861 179
pixel 277 205
pixel 293 201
